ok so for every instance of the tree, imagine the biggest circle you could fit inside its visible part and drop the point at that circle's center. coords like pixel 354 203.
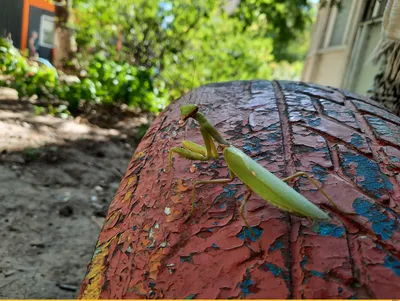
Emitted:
pixel 63 35
pixel 281 20
pixel 190 42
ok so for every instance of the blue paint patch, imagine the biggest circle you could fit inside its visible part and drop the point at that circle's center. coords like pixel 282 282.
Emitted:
pixel 275 270
pixel 248 148
pixel 214 165
pixel 357 140
pixel 383 128
pixel 394 159
pixel 215 246
pixel 246 285
pixel 368 175
pixel 222 205
pixel 272 127
pixel 393 264
pixel 340 290
pixel 275 246
pixel 253 144
pixel 304 262
pixel 318 274
pixel 134 228
pixel 320 173
pixel 152 284
pixel 193 125
pixel 382 224
pixel 190 297
pixel 326 229
pixel 215 223
pixel 332 113
pixel 314 122
pixel 245 234
pixel 187 258
pixel 274 136
pixel 228 194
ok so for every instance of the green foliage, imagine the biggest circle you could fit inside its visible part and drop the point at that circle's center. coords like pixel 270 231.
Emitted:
pixel 169 46
pixel 192 42
pixel 28 78
pixel 284 21
pixel 104 82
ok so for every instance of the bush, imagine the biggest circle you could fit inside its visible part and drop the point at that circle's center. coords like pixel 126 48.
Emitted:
pixel 104 81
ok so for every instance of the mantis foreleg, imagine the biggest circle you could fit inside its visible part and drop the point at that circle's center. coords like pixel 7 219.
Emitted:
pixel 301 173
pixel 193 151
pixel 190 151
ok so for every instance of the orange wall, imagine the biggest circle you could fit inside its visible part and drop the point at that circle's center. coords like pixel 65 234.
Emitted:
pixel 42 4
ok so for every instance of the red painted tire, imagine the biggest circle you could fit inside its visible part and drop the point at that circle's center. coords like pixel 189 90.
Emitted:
pixel 349 143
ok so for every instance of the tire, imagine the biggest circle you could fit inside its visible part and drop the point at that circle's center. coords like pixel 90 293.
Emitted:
pixel 348 143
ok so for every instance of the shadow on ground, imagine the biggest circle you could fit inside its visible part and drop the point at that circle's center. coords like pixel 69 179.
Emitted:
pixel 57 179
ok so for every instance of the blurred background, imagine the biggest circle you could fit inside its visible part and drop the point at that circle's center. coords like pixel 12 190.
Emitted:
pixel 81 80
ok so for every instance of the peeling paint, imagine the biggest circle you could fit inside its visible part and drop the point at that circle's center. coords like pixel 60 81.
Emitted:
pixel 318 274
pixel 320 173
pixel 393 264
pixel 314 122
pixel 247 285
pixel 304 262
pixel 381 223
pixel 326 229
pixel 93 287
pixel 245 234
pixel 367 174
pixel 275 246
pixel 190 297
pixel 187 258
pixel 385 130
pixel 275 270
pixel 356 140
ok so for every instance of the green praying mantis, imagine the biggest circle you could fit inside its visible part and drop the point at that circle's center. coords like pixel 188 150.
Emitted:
pixel 255 177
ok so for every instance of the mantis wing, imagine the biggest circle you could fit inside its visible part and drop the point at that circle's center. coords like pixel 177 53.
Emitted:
pixel 269 187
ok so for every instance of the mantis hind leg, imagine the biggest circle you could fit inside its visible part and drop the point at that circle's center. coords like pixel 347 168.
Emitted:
pixel 216 181
pixel 299 174
pixel 241 209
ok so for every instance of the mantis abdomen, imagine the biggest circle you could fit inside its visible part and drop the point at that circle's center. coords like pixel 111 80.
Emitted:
pixel 269 187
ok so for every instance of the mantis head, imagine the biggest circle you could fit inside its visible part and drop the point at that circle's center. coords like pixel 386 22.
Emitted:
pixel 188 111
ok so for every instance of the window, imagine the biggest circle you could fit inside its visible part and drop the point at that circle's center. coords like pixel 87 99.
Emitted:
pixel 46 35
pixel 339 27
pixel 374 9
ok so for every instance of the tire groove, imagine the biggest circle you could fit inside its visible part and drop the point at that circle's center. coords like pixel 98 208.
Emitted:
pixel 289 170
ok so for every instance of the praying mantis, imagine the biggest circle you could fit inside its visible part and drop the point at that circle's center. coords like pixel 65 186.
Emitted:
pixel 255 177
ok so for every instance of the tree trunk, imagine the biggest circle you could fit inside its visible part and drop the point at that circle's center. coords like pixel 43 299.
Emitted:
pixel 348 143
pixel 63 35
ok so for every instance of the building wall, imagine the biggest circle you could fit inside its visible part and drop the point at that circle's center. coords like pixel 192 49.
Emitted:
pixel 330 68
pixel 346 63
pixel 11 19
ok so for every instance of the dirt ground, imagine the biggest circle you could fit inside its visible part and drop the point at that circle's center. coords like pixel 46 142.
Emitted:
pixel 57 178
